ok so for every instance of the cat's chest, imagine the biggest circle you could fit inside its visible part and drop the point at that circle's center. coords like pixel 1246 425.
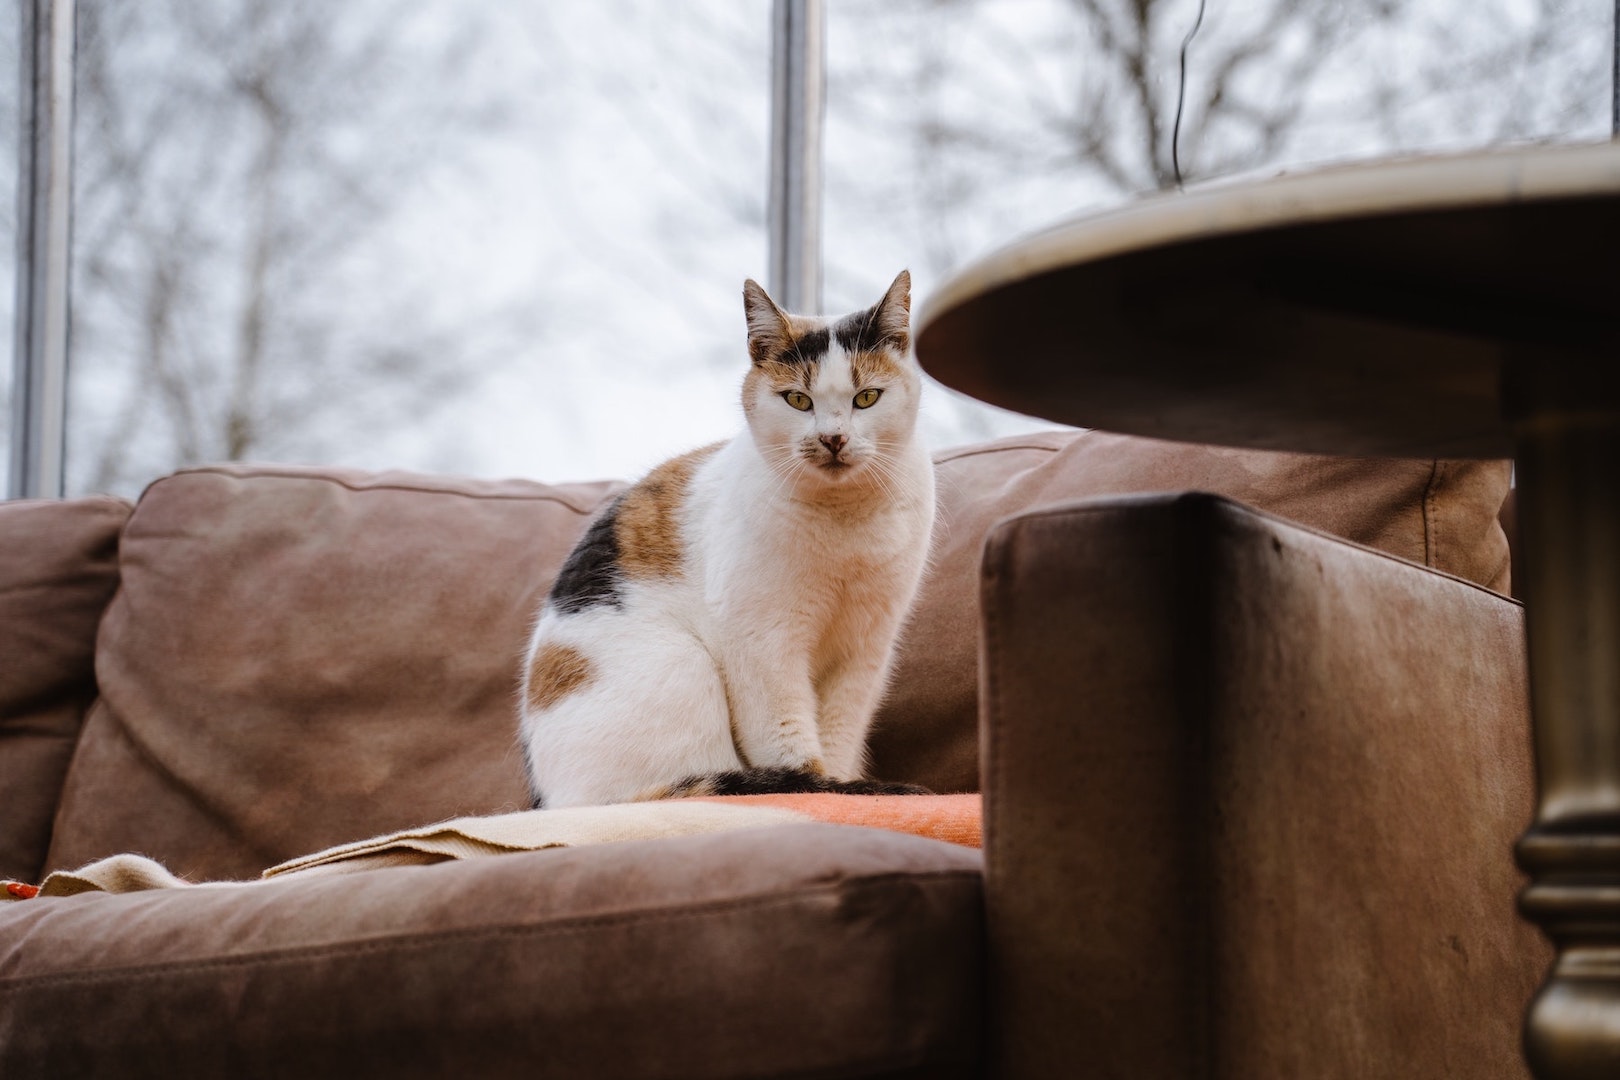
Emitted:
pixel 762 554
pixel 813 575
pixel 871 546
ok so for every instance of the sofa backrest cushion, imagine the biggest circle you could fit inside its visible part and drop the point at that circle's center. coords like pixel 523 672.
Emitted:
pixel 58 570
pixel 300 657
pixel 1442 514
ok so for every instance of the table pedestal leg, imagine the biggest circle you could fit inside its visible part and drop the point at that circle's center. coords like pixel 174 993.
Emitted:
pixel 1568 469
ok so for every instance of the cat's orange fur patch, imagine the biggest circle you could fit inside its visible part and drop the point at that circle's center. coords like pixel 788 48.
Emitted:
pixel 875 368
pixel 777 377
pixel 556 672
pixel 768 349
pixel 772 331
pixel 800 325
pixel 648 527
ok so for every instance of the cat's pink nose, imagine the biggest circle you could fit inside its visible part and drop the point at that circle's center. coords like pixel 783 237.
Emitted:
pixel 835 443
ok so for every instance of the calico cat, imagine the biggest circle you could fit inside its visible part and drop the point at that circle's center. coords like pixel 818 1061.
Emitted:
pixel 727 624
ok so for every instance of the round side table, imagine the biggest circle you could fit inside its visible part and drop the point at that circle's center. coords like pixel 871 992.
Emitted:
pixel 1461 306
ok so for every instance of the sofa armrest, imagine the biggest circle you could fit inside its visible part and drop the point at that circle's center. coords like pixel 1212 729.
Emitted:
pixel 58 571
pixel 1250 800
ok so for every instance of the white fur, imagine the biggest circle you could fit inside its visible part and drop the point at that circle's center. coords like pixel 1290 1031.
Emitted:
pixel 782 625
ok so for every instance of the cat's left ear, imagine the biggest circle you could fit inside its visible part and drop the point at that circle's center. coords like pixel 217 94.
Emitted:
pixel 892 316
pixel 768 330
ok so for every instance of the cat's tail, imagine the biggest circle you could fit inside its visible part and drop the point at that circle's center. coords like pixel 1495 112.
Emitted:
pixel 778 780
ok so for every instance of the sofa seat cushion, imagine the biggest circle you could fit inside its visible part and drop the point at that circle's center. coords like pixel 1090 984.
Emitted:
pixel 792 950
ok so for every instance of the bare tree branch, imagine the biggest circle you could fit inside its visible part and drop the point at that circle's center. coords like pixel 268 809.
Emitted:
pixel 237 161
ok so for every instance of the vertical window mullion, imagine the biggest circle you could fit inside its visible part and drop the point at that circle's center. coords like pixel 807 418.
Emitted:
pixel 44 249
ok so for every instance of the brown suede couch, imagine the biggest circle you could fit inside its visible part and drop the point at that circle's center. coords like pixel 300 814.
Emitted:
pixel 1253 763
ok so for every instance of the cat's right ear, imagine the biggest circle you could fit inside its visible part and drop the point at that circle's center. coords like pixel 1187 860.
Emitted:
pixel 768 333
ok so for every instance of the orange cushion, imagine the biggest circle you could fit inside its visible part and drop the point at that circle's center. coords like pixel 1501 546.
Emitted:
pixel 956 818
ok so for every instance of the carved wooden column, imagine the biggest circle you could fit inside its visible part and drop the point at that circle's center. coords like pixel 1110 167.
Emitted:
pixel 1567 431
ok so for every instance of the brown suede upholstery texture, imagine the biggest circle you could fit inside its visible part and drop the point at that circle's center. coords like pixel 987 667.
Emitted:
pixel 1250 791
pixel 1442 514
pixel 1251 795
pixel 58 570
pixel 297 658
pixel 800 950
pixel 300 658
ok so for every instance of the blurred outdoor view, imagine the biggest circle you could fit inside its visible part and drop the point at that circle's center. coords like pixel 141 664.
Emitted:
pixel 504 238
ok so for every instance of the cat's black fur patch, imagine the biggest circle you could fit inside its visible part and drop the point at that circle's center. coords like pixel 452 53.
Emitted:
pixel 777 780
pixel 861 332
pixel 807 348
pixel 590 577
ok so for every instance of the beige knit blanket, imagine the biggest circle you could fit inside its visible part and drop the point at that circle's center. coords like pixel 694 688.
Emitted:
pixel 461 838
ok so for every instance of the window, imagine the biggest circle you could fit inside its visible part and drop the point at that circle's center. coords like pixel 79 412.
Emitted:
pixel 9 47
pixel 494 238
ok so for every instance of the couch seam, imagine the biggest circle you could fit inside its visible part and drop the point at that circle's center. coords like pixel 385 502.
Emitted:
pixel 977 451
pixel 401 942
pixel 1107 502
pixel 281 474
pixel 1196 527
pixel 94 497
pixel 998 538
pixel 1431 515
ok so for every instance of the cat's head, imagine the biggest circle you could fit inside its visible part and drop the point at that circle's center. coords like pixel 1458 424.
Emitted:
pixel 831 400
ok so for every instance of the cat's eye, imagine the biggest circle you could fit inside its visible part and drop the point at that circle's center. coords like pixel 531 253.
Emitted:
pixel 798 399
pixel 867 398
